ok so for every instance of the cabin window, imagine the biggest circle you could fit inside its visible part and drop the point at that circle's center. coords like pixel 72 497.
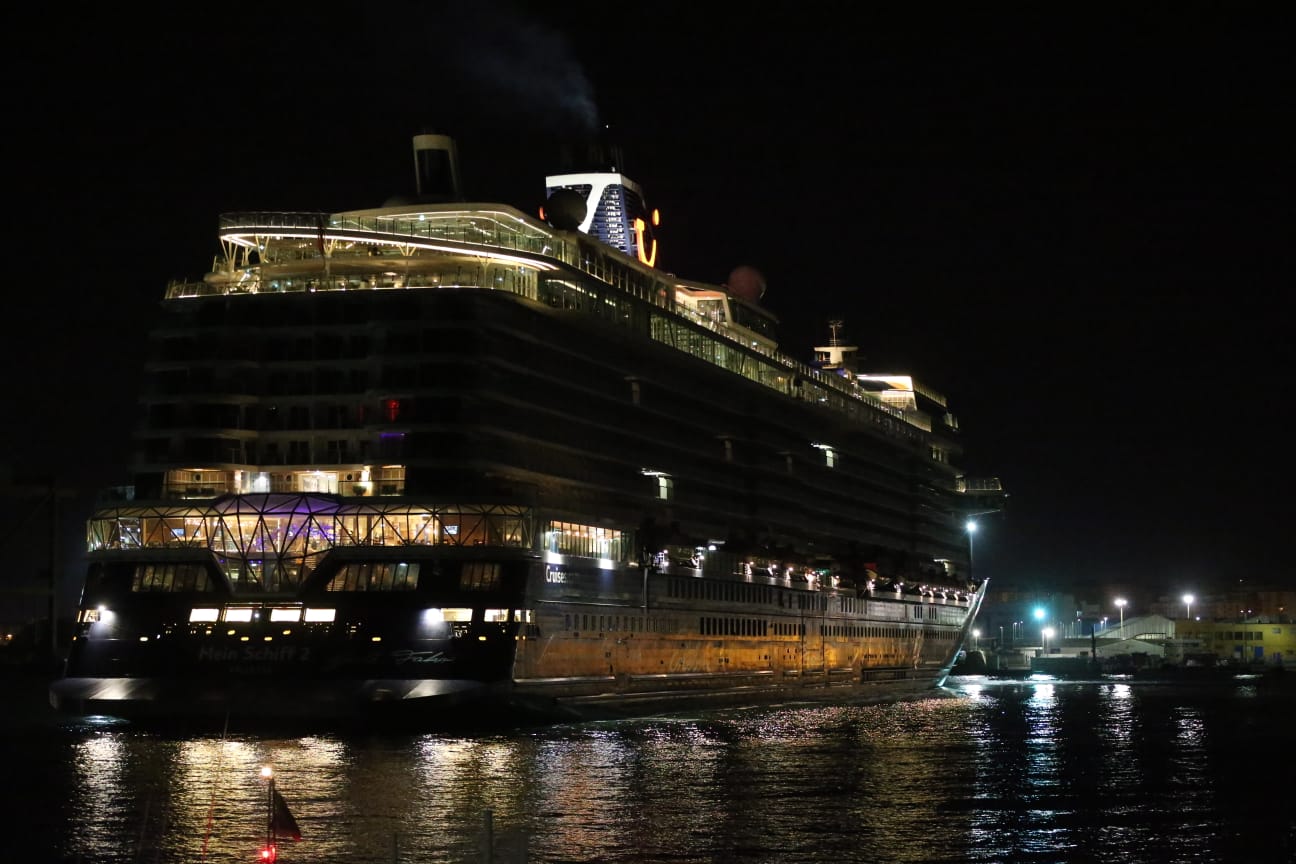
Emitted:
pixel 170 577
pixel 479 576
pixel 369 576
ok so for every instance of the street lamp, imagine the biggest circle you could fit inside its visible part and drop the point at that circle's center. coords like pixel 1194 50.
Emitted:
pixel 971 532
pixel 1188 601
pixel 1047 633
pixel 976 634
pixel 1120 604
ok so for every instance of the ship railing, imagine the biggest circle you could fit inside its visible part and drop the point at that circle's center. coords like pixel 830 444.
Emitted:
pixel 497 228
pixel 979 484
pixel 492 228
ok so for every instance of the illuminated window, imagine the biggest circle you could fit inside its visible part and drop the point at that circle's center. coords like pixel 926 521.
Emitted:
pixel 590 541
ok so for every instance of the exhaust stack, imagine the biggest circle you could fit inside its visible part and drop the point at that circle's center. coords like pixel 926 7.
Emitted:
pixel 436 168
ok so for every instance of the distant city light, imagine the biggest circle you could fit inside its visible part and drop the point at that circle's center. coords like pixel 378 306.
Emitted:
pixel 1039 613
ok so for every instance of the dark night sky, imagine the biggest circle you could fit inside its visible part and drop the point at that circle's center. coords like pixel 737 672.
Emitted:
pixel 1077 228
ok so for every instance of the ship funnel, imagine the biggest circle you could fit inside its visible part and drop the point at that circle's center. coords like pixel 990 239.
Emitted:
pixel 436 168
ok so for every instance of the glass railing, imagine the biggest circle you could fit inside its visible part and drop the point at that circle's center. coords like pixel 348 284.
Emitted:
pixel 494 228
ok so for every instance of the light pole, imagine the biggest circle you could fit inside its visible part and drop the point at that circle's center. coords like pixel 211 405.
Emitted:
pixel 971 532
pixel 1188 601
pixel 1047 633
pixel 976 635
pixel 1120 604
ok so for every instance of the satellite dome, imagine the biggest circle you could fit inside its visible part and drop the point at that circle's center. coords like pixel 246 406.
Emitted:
pixel 565 209
pixel 746 283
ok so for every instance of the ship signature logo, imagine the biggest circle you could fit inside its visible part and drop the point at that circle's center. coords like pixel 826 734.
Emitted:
pixel 640 228
pixel 408 656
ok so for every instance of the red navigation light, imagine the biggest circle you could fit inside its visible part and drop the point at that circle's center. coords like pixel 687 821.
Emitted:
pixel 392 409
pixel 269 853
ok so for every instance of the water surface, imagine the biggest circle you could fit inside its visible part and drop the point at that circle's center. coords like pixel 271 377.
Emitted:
pixel 982 771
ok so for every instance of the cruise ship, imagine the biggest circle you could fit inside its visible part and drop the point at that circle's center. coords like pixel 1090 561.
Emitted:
pixel 450 460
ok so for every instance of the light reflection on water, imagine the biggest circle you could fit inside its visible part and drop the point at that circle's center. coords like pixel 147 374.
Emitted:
pixel 985 771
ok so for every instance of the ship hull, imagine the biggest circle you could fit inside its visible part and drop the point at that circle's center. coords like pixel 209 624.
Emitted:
pixel 583 642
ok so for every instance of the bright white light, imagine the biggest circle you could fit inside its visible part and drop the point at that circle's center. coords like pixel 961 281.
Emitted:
pixel 976 634
pixel 1048 632
pixel 1188 598
pixel 433 616
pixel 971 526
pixel 285 614
pixel 244 614
pixel 321 614
pixel 204 614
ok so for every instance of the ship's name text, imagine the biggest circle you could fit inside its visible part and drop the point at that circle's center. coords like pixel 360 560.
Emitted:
pixel 257 654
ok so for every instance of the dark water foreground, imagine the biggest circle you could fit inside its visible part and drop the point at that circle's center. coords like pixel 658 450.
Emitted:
pixel 984 771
